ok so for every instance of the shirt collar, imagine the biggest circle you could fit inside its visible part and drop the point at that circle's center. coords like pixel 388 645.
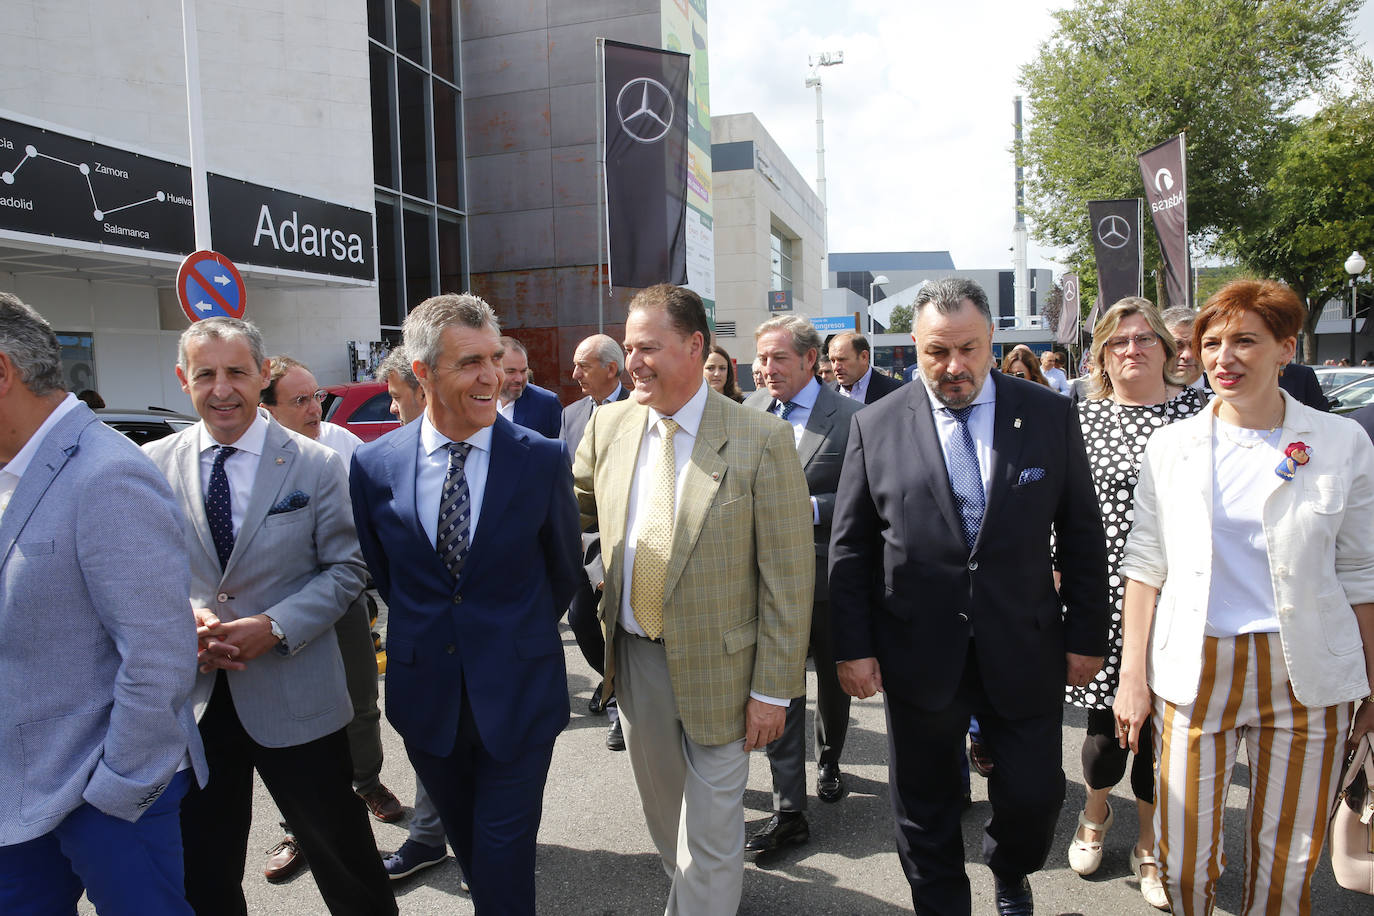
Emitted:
pixel 612 397
pixel 987 396
pixel 806 398
pixel 431 440
pixel 862 383
pixel 253 440
pixel 20 462
pixel 688 417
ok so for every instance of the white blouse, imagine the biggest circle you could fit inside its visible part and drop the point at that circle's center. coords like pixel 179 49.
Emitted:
pixel 1241 598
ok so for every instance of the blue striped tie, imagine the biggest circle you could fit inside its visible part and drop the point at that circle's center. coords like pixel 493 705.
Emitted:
pixel 455 509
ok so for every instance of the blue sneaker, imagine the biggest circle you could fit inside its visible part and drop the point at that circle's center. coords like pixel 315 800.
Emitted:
pixel 412 857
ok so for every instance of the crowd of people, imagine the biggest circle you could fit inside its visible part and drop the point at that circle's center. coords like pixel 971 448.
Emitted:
pixel 1178 543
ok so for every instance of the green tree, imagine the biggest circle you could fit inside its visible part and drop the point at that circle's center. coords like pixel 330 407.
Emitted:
pixel 1120 76
pixel 899 322
pixel 1318 204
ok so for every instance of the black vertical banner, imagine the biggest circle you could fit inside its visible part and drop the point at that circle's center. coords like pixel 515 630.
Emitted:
pixel 1163 170
pixel 646 164
pixel 1116 244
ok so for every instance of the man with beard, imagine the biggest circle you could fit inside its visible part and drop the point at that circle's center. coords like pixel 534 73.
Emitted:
pixel 523 402
pixel 942 595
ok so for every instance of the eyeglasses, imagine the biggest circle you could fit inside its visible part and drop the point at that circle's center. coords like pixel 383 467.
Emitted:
pixel 1120 345
pixel 318 397
pixel 1018 373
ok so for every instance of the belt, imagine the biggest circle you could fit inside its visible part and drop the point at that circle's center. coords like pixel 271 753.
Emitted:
pixel 620 628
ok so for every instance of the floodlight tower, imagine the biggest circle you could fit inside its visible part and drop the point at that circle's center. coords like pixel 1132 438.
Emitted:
pixel 1020 284
pixel 815 62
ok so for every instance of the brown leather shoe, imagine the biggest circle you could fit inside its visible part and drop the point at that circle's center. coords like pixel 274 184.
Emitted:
pixel 283 860
pixel 384 805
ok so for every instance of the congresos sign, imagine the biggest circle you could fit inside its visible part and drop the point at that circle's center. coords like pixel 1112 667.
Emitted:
pixel 53 184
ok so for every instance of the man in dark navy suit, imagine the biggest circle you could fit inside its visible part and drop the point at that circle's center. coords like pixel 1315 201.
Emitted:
pixel 469 526
pixel 523 402
pixel 855 376
pixel 942 595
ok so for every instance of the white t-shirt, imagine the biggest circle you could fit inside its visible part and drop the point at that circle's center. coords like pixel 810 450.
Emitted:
pixel 334 436
pixel 1241 598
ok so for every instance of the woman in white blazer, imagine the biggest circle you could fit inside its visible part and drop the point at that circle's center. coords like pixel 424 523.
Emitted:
pixel 1254 530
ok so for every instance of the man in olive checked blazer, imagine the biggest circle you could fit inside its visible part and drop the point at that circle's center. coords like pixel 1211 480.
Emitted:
pixel 706 532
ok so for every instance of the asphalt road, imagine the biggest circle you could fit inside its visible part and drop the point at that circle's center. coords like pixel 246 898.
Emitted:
pixel 595 856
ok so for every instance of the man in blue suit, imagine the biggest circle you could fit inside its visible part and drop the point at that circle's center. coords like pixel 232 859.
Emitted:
pixel 99 651
pixel 523 402
pixel 470 529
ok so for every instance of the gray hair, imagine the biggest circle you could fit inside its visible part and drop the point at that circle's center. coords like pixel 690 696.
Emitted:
pixel 28 340
pixel 948 294
pixel 222 329
pixel 425 324
pixel 1176 315
pixel 397 363
pixel 606 350
pixel 510 343
pixel 799 327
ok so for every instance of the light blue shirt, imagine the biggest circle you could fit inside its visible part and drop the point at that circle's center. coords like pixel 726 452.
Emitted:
pixel 979 427
pixel 11 473
pixel 803 403
pixel 860 387
pixel 431 467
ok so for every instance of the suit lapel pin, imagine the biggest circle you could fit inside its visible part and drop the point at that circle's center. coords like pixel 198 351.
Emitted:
pixel 283 460
pixel 1016 424
pixel 715 475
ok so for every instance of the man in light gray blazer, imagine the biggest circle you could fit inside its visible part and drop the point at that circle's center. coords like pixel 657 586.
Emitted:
pixel 274 563
pixel 788 347
pixel 97 739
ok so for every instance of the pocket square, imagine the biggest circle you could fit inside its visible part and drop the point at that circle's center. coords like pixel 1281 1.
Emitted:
pixel 1031 475
pixel 290 503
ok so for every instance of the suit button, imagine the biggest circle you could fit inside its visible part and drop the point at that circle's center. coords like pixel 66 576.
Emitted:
pixel 457 599
pixel 973 566
pixel 963 617
pixel 1282 571
pixel 221 597
pixel 450 648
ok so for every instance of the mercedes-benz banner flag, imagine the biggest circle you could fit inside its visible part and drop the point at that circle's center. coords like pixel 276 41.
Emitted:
pixel 1164 172
pixel 646 164
pixel 1068 310
pixel 1116 243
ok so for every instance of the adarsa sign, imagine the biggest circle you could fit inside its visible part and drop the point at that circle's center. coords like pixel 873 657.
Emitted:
pixel 1167 203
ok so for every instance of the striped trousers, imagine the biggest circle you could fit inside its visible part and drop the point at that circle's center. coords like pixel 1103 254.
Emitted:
pixel 1294 752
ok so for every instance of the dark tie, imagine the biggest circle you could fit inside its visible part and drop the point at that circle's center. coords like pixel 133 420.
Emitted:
pixel 964 477
pixel 785 409
pixel 455 509
pixel 218 507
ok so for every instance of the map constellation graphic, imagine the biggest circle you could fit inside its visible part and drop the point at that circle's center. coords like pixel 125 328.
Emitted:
pixel 31 152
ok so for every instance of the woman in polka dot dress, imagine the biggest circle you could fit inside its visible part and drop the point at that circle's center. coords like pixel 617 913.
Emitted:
pixel 1132 395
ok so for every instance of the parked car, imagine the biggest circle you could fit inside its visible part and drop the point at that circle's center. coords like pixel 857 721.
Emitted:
pixel 1355 395
pixel 142 426
pixel 1333 377
pixel 362 408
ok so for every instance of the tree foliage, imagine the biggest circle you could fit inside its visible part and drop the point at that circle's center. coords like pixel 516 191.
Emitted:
pixel 1318 203
pixel 1120 76
pixel 899 322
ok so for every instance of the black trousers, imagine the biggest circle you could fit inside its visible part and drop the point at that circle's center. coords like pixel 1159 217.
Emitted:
pixel 1104 759
pixel 586 626
pixel 1026 789
pixel 312 784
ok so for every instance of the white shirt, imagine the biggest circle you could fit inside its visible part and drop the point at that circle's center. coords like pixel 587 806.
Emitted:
pixel 803 403
pixel 334 436
pixel 241 467
pixel 506 408
pixel 979 427
pixel 688 419
pixel 1241 596
pixel 431 467
pixel 860 387
pixel 13 471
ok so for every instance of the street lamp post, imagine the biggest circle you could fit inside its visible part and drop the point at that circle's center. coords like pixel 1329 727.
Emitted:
pixel 878 280
pixel 824 59
pixel 1354 265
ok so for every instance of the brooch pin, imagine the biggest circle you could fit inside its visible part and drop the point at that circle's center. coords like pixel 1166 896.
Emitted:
pixel 1294 456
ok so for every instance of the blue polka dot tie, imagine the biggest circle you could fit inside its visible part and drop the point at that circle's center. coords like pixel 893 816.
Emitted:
pixel 455 510
pixel 218 509
pixel 784 409
pixel 964 476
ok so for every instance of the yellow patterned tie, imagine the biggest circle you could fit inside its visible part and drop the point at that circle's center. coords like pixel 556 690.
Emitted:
pixel 655 539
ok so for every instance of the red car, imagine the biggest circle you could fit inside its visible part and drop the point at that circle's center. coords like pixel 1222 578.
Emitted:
pixel 362 408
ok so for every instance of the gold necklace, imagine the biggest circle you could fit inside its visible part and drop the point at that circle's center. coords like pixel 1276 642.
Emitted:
pixel 1255 437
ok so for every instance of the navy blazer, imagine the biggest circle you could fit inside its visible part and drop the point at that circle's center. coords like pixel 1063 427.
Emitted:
pixel 494 630
pixel 540 410
pixel 1301 382
pixel 906 589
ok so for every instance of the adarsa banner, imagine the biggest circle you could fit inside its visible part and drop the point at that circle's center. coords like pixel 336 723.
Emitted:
pixel 1163 169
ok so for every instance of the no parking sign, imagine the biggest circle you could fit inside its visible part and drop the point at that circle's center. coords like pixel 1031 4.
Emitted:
pixel 209 286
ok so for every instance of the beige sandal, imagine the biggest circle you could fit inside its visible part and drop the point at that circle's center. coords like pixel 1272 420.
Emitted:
pixel 1086 855
pixel 1152 889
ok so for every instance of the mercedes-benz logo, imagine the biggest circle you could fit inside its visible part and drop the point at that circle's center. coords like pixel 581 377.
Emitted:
pixel 645 108
pixel 1164 181
pixel 1071 290
pixel 1113 231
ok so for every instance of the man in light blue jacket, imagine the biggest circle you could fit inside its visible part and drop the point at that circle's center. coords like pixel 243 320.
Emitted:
pixel 97 653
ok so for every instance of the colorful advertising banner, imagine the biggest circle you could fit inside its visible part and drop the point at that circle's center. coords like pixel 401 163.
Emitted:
pixel 1163 170
pixel 684 29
